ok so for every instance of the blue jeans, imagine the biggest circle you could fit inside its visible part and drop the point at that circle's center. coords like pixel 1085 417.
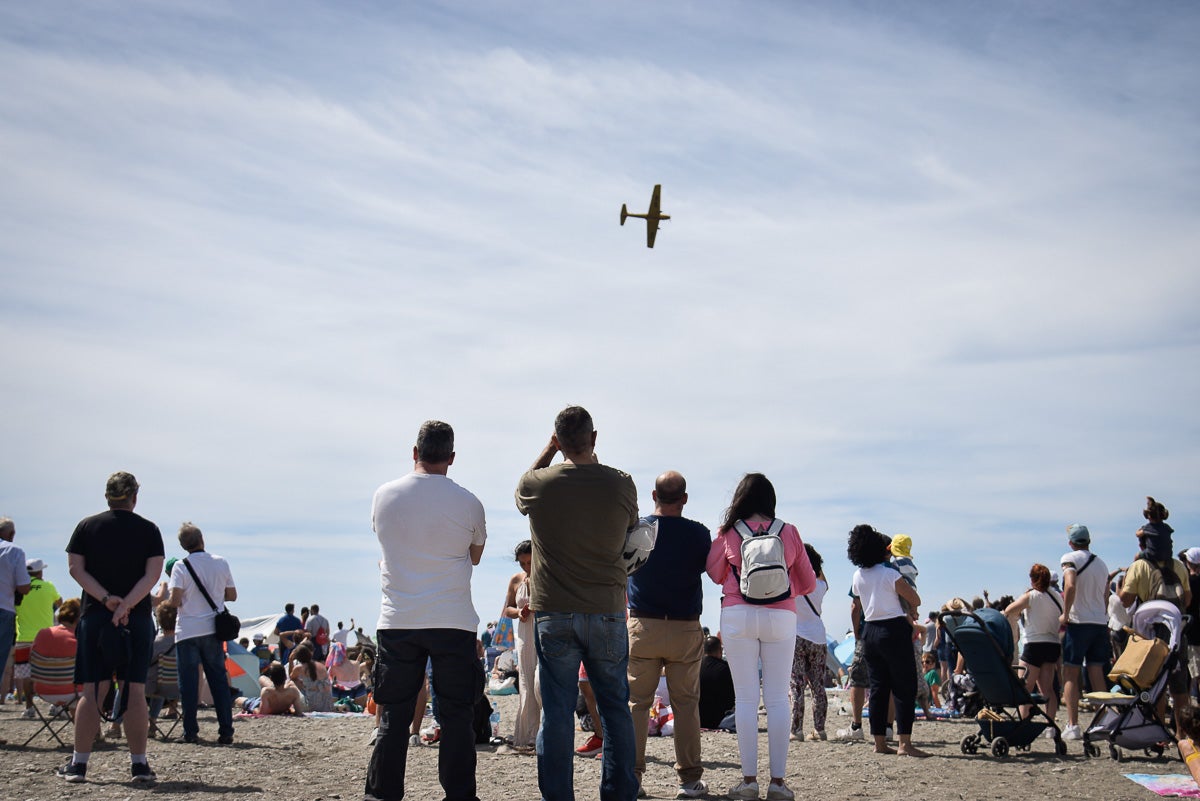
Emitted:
pixel 209 652
pixel 601 643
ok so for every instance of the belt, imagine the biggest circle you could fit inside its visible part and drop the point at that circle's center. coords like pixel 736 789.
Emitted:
pixel 653 616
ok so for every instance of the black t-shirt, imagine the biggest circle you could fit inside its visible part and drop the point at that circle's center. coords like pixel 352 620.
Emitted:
pixel 716 691
pixel 115 546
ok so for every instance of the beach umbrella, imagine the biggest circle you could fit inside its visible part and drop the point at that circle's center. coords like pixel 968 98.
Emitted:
pixel 243 669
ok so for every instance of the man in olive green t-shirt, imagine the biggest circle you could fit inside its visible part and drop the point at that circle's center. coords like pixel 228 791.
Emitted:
pixel 579 511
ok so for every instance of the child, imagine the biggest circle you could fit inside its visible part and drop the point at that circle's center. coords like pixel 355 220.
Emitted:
pixel 1154 538
pixel 931 676
pixel 901 550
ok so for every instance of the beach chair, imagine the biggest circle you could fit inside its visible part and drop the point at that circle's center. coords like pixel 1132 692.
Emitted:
pixel 54 682
pixel 165 688
pixel 984 639
pixel 1129 719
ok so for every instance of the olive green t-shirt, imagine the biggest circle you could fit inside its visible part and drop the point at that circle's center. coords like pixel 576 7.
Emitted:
pixel 578 516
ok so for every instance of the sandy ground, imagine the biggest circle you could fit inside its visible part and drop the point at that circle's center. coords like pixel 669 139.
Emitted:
pixel 290 758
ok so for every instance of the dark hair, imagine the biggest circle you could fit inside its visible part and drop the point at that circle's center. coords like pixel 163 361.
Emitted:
pixel 277 674
pixel 670 487
pixel 304 656
pixel 1039 577
pixel 1155 512
pixel 814 559
pixel 573 429
pixel 753 495
pixel 166 617
pixel 314 610
pixel 712 645
pixel 289 608
pixel 866 547
pixel 523 547
pixel 435 442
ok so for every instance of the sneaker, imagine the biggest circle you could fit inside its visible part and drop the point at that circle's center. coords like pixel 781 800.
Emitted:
pixel 1048 734
pixel 744 790
pixel 434 735
pixel 72 772
pixel 54 711
pixel 29 713
pixel 225 739
pixel 592 746
pixel 780 792
pixel 141 772
pixel 1071 733
pixel 414 740
pixel 692 789
pixel 852 733
pixel 887 733
pixel 817 736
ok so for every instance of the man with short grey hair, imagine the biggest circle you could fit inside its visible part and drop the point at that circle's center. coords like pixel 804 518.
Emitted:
pixel 431 532
pixel 196 642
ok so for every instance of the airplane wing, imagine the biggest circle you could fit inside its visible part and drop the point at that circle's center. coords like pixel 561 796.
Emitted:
pixel 651 230
pixel 655 200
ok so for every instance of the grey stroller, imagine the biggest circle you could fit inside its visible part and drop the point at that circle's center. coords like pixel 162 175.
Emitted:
pixel 1130 720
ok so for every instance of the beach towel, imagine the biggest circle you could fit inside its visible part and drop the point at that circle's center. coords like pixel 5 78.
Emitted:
pixel 1177 785
pixel 504 638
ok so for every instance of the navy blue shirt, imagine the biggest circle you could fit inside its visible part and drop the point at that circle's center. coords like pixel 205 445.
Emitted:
pixel 669 583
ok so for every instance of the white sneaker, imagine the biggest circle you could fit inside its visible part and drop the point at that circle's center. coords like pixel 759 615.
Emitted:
pixel 1048 734
pixel 414 741
pixel 887 734
pixel 851 734
pixel 1072 733
pixel 29 714
pixel 744 790
pixel 692 789
pixel 779 792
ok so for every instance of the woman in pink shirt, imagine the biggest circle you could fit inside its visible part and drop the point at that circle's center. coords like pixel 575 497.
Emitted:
pixel 755 630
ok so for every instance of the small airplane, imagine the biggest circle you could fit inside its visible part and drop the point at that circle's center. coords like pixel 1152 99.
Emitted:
pixel 651 217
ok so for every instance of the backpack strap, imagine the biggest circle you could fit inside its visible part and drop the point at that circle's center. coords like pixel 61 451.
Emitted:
pixel 746 532
pixel 1086 564
pixel 810 605
pixel 743 530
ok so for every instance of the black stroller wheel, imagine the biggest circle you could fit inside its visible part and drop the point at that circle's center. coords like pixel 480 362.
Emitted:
pixel 968 744
pixel 1000 747
pixel 1115 753
pixel 1091 749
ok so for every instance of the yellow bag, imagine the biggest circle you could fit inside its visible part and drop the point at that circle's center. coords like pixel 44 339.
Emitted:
pixel 1139 664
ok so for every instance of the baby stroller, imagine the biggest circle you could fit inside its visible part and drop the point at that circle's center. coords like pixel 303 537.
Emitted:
pixel 984 639
pixel 1130 719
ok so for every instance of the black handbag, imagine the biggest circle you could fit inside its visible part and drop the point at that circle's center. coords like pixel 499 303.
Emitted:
pixel 227 623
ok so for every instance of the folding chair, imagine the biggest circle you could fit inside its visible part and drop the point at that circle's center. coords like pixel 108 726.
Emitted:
pixel 54 681
pixel 166 687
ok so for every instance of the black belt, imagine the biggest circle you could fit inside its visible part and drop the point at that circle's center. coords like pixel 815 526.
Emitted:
pixel 653 616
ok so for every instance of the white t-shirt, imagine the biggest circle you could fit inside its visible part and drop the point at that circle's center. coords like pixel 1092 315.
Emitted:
pixel 426 524
pixel 342 636
pixel 808 623
pixel 195 615
pixel 1088 605
pixel 876 589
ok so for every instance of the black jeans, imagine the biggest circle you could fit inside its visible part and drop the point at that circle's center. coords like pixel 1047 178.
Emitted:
pixel 458 681
pixel 887 647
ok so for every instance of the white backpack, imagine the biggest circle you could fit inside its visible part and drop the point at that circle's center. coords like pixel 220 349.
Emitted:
pixel 764 575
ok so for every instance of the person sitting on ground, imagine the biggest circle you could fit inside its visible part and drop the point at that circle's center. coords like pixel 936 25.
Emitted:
pixel 278 695
pixel 716 686
pixel 344 675
pixel 311 677
pixel 263 652
pixel 931 676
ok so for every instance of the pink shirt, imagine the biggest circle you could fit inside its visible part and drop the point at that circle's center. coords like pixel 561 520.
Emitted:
pixel 726 553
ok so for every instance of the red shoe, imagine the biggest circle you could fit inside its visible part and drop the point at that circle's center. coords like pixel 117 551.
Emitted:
pixel 592 746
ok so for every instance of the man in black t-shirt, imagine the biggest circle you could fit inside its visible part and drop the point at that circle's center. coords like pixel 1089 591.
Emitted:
pixel 116 558
pixel 716 686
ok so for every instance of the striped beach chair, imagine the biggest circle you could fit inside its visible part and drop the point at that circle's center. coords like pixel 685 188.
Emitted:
pixel 166 687
pixel 54 682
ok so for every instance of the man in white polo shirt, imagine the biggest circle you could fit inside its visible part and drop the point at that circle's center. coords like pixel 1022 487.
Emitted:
pixel 432 533
pixel 1085 614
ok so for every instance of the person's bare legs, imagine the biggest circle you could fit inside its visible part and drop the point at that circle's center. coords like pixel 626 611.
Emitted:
pixel 1071 692
pixel 881 746
pixel 858 699
pixel 418 709
pixel 908 749
pixel 1046 685
pixel 589 698
pixel 137 718
pixel 87 719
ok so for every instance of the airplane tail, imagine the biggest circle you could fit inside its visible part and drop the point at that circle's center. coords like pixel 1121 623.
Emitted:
pixel 624 213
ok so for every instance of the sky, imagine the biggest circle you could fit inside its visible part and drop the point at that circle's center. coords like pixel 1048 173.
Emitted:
pixel 932 267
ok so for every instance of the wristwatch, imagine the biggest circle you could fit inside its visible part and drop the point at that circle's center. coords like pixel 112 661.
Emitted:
pixel 104 600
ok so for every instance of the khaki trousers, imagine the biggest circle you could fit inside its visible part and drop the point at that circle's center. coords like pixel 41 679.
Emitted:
pixel 676 647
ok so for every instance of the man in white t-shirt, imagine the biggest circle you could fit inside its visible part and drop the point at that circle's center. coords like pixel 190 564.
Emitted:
pixel 318 626
pixel 432 533
pixel 196 641
pixel 1085 614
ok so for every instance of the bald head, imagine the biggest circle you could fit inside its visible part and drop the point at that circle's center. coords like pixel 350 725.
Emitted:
pixel 670 494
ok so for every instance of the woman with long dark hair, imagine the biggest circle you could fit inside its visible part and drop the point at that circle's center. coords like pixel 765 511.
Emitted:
pixel 887 635
pixel 756 630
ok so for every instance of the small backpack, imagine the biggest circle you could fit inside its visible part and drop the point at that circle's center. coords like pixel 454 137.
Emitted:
pixel 1165 584
pixel 764 575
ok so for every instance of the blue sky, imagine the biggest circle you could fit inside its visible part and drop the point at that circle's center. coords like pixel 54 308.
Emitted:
pixel 930 267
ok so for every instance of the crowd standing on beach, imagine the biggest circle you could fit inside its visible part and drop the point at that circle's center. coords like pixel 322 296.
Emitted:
pixel 594 618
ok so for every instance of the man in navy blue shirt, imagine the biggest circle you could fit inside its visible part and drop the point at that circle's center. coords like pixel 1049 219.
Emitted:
pixel 665 600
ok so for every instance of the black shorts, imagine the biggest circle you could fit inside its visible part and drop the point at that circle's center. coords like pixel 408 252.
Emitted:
pixel 1041 653
pixel 90 667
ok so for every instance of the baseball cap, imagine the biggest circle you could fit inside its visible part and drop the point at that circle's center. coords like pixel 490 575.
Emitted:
pixel 120 486
pixel 258 637
pixel 170 565
pixel 36 565
pixel 902 545
pixel 1192 555
pixel 1078 534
